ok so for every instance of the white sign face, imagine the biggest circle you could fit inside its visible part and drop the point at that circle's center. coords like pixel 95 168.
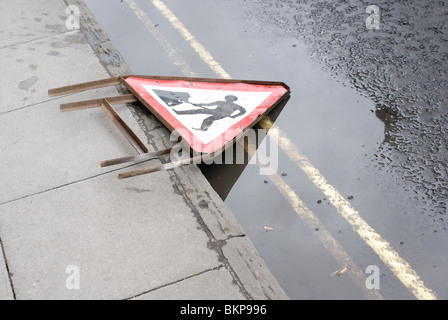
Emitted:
pixel 207 113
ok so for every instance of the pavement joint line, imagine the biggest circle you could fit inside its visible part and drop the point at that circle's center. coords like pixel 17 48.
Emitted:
pixel 176 281
pixel 384 250
pixel 38 39
pixel 11 283
pixel 73 182
pixel 24 107
pixel 37 103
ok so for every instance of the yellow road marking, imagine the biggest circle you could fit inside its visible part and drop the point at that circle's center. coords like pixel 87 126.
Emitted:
pixel 313 223
pixel 400 267
pixel 177 59
pixel 199 48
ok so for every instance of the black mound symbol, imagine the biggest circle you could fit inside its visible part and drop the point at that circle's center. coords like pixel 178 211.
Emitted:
pixel 173 98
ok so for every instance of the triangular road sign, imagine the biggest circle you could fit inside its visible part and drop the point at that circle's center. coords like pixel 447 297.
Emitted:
pixel 207 113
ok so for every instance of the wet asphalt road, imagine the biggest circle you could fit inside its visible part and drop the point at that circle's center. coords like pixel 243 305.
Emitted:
pixel 368 108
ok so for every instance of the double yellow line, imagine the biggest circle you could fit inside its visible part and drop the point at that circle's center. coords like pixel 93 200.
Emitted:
pixel 400 267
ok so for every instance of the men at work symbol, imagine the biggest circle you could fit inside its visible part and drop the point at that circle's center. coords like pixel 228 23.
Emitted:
pixel 224 109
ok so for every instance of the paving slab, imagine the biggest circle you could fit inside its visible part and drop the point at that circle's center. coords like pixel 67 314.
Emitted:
pixel 211 285
pixel 42 148
pixel 31 68
pixel 24 20
pixel 124 237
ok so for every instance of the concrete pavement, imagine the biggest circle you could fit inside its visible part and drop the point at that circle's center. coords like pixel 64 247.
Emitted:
pixel 68 228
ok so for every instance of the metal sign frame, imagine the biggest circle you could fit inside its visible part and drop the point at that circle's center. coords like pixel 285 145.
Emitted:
pixel 106 104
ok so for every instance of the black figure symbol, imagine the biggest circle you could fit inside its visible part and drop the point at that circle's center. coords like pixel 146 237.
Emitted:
pixel 224 109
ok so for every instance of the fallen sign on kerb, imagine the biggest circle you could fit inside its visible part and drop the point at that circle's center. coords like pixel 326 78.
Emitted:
pixel 207 115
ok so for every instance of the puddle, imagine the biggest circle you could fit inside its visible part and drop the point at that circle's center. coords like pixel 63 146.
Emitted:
pixel 402 67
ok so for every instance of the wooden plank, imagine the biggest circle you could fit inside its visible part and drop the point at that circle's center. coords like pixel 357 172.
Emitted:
pixel 83 86
pixel 164 166
pixel 94 103
pixel 140 157
pixel 123 127
pixel 117 80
